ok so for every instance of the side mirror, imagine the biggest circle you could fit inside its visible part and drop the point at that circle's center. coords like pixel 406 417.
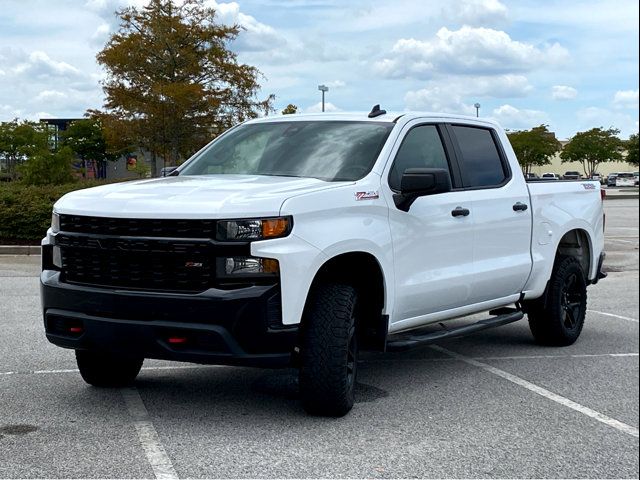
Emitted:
pixel 419 182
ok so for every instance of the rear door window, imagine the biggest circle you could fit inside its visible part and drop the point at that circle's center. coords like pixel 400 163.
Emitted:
pixel 481 162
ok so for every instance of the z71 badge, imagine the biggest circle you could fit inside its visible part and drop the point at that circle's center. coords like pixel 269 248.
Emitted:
pixel 367 195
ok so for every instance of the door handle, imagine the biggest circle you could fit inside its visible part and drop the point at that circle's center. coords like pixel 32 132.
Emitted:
pixel 460 212
pixel 520 207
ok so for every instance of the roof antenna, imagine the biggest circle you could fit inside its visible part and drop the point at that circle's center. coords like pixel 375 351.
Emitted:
pixel 376 112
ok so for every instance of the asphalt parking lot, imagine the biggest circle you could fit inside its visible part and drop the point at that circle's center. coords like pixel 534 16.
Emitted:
pixel 490 405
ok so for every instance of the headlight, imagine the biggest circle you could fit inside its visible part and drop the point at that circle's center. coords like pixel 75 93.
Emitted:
pixel 55 222
pixel 253 229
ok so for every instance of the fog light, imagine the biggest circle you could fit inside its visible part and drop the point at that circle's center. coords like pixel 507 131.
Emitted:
pixel 250 266
pixel 57 257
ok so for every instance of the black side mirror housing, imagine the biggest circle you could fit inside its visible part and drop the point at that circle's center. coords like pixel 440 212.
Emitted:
pixel 419 182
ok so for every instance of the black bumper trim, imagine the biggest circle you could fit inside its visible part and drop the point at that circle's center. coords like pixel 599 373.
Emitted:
pixel 600 274
pixel 151 340
pixel 227 327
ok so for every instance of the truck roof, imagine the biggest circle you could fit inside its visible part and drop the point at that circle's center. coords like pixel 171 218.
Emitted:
pixel 363 117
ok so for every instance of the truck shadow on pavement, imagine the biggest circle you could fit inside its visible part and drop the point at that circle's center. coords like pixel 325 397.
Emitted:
pixel 221 391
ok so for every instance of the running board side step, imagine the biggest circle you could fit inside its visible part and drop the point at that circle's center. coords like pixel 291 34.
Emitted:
pixel 411 341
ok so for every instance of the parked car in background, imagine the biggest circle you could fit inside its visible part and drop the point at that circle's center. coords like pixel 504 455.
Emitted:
pixel 597 177
pixel 611 180
pixel 636 175
pixel 625 179
pixel 551 176
pixel 572 176
pixel 531 176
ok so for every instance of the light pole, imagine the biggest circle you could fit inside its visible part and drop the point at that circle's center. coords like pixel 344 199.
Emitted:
pixel 477 105
pixel 323 88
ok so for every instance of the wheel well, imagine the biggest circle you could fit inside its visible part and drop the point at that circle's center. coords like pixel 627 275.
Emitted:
pixel 575 243
pixel 362 271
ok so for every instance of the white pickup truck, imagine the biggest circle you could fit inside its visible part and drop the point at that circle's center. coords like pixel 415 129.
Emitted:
pixel 302 240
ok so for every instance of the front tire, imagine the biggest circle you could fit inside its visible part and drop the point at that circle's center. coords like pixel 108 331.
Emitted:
pixel 558 317
pixel 107 370
pixel 329 351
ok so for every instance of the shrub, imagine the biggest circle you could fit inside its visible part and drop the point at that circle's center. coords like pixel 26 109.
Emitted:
pixel 25 210
pixel 48 168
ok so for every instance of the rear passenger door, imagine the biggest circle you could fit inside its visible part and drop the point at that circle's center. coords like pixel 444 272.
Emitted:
pixel 432 248
pixel 501 213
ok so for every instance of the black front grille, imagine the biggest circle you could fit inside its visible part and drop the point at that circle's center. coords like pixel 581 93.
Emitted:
pixel 150 271
pixel 145 227
pixel 138 254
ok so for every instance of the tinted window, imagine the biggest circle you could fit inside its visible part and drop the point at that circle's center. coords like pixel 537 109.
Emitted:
pixel 332 151
pixel 421 148
pixel 481 161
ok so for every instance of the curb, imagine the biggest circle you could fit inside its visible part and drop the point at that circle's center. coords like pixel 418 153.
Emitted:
pixel 19 249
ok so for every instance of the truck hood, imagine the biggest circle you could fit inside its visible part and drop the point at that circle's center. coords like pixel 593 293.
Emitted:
pixel 210 196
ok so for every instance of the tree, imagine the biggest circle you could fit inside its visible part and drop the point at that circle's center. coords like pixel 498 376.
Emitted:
pixel 632 149
pixel 534 147
pixel 48 168
pixel 290 109
pixel 86 139
pixel 593 147
pixel 172 83
pixel 19 141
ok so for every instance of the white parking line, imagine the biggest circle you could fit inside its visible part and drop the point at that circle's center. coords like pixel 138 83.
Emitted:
pixel 75 370
pixel 506 357
pixel 156 454
pixel 600 417
pixel 614 315
pixel 619 240
pixel 575 355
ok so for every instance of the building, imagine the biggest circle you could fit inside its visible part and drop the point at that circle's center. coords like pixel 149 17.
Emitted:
pixel 560 168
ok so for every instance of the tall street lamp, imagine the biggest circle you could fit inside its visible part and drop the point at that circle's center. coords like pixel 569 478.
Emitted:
pixel 477 105
pixel 323 88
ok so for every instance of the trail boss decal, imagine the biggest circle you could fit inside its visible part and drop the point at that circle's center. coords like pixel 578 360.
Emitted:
pixel 589 186
pixel 372 195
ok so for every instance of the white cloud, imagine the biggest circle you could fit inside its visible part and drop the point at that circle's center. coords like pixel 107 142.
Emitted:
pixel 335 84
pixel 50 95
pixel 563 92
pixel 626 99
pixel 499 86
pixel 316 108
pixel 40 65
pixel 513 118
pixel 437 99
pixel 101 35
pixel 478 12
pixel 255 36
pixel 468 50
pixel 592 117
pixel 457 94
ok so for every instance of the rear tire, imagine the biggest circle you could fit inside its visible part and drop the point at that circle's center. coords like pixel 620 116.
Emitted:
pixel 106 369
pixel 329 351
pixel 558 317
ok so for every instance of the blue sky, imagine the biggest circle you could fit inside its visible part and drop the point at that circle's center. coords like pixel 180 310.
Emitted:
pixel 572 65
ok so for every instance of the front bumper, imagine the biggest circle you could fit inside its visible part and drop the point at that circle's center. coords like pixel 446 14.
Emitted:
pixel 225 327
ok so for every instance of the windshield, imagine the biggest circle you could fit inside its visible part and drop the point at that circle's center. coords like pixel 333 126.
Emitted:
pixel 327 150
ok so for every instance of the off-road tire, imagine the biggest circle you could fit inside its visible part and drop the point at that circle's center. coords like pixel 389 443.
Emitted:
pixel 558 317
pixel 107 370
pixel 329 351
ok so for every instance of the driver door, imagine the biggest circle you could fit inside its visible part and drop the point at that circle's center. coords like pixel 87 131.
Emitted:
pixel 432 242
